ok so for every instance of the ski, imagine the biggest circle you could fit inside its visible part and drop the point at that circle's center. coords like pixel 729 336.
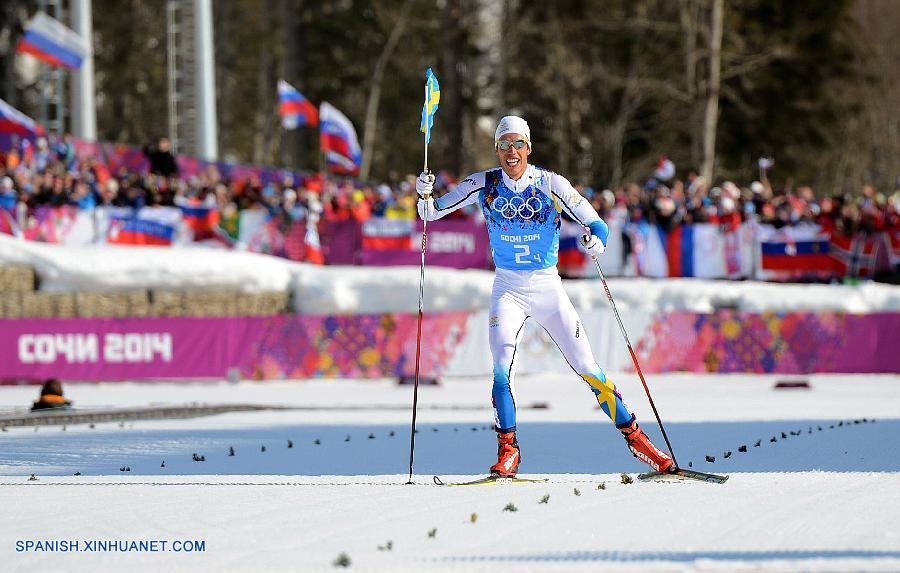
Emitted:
pixel 681 474
pixel 491 480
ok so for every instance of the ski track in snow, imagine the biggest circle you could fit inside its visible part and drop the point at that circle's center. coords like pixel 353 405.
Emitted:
pixel 815 500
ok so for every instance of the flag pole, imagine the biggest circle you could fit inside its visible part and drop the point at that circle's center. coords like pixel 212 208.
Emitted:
pixel 426 127
pixel 412 433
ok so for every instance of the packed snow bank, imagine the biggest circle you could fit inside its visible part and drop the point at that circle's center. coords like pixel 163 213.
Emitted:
pixel 110 268
pixel 367 290
pixel 707 295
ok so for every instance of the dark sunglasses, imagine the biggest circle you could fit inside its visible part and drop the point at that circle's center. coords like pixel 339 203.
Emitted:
pixel 505 144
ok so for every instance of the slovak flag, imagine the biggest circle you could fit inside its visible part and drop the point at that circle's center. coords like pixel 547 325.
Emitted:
pixel 295 110
pixel 801 255
pixel 338 141
pixel 14 121
pixel 49 40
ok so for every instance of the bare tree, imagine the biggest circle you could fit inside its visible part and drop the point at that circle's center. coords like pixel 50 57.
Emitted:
pixel 375 92
pixel 711 118
pixel 452 63
pixel 868 141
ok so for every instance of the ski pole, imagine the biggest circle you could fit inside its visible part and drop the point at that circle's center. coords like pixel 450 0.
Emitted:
pixel 634 357
pixel 412 432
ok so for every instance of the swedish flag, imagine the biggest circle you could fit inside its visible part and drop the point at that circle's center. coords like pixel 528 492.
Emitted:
pixel 432 98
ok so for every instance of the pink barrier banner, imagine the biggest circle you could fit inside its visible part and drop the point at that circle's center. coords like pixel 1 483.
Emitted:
pixel 286 346
pixel 383 345
pixel 780 343
pixel 125 348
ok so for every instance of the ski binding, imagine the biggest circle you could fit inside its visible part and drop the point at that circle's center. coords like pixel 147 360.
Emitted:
pixel 681 474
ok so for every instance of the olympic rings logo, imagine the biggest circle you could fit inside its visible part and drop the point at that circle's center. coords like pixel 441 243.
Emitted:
pixel 524 208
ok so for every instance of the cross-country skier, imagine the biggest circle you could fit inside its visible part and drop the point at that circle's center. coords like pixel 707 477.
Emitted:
pixel 522 205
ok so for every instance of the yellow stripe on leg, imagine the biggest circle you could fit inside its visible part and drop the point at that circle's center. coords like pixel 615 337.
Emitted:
pixel 607 393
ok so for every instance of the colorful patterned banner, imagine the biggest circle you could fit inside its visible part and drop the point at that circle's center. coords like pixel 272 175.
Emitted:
pixel 363 346
pixel 783 343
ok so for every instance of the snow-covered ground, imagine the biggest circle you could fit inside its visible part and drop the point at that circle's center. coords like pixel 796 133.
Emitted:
pixel 817 489
pixel 812 500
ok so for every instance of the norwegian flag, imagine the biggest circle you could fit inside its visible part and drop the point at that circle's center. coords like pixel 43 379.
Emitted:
pixel 859 256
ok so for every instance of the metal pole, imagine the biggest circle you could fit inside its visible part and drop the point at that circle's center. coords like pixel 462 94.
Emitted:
pixel 84 113
pixel 173 36
pixel 207 132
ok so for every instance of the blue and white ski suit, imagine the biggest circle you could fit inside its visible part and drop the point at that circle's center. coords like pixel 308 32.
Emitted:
pixel 523 220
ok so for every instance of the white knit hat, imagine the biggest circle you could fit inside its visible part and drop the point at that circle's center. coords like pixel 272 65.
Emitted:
pixel 513 124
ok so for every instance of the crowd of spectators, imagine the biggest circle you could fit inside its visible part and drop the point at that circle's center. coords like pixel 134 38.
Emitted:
pixel 673 202
pixel 48 172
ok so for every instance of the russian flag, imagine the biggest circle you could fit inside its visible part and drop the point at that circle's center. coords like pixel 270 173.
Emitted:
pixel 49 40
pixel 381 234
pixel 137 230
pixel 295 110
pixel 201 220
pixel 338 141
pixel 571 257
pixel 797 255
pixel 14 121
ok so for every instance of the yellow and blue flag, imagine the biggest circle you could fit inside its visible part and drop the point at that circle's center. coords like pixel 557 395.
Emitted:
pixel 432 98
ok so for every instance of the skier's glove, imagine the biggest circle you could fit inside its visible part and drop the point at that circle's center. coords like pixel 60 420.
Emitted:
pixel 425 184
pixel 595 241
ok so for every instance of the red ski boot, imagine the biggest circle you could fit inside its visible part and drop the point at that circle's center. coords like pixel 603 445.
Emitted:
pixel 507 455
pixel 644 450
